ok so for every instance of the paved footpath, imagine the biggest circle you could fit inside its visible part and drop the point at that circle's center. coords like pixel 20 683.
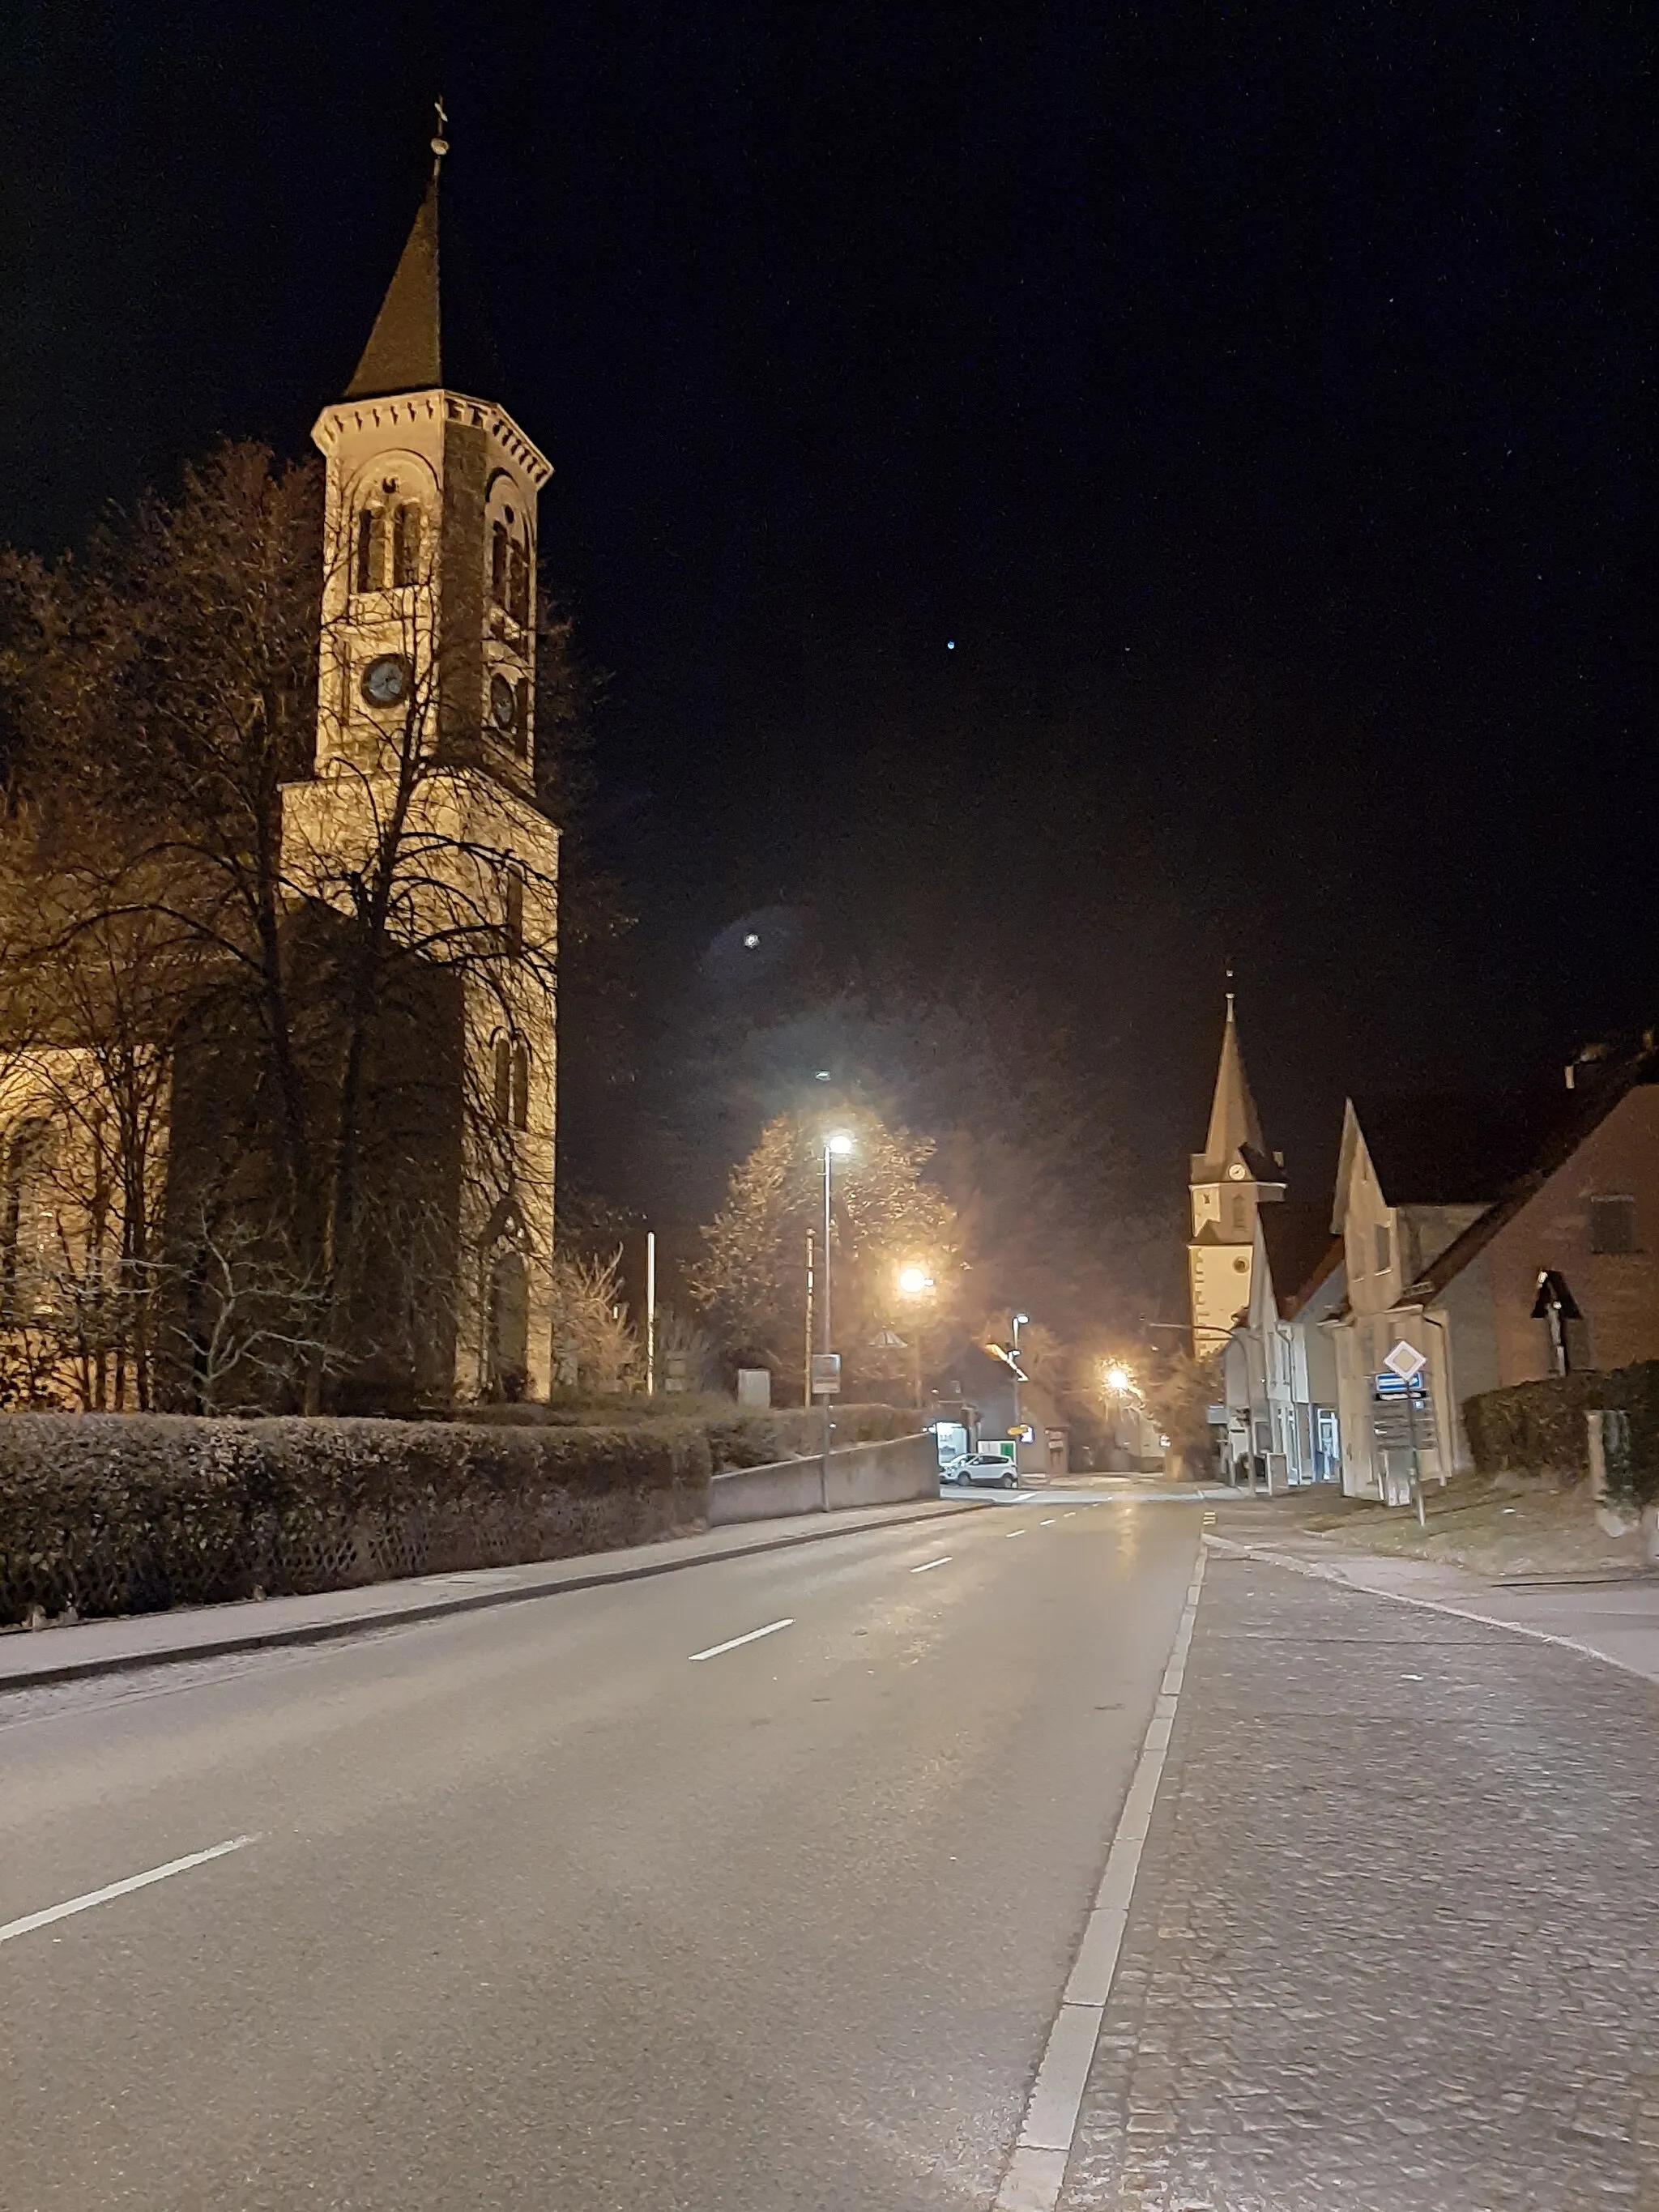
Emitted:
pixel 1394 1946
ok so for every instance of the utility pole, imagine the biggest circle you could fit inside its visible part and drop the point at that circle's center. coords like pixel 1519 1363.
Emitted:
pixel 650 1313
pixel 806 1353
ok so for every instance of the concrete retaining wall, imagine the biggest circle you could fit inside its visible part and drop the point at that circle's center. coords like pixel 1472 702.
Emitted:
pixel 862 1474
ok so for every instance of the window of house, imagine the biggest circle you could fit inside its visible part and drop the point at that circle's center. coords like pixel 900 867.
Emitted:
pixel 1236 1204
pixel 512 921
pixel 406 546
pixel 520 1086
pixel 1384 1243
pixel 1613 1224
pixel 503 1081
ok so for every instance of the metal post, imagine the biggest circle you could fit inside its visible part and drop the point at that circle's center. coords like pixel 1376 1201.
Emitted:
pixel 824 1310
pixel 806 1360
pixel 1417 1468
pixel 650 1313
pixel 1017 1319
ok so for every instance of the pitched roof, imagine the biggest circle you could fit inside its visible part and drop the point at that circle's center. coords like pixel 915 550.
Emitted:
pixel 1585 1111
pixel 405 351
pixel 1233 1119
pixel 1456 1148
pixel 1295 1236
pixel 430 329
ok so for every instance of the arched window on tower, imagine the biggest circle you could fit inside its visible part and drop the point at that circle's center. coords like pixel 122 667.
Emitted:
pixel 370 550
pixel 513 914
pixel 24 1217
pixel 521 1086
pixel 503 1081
pixel 406 546
pixel 518 595
pixel 498 564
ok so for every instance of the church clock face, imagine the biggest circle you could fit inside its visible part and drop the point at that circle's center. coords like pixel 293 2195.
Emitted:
pixel 503 704
pixel 1236 1173
pixel 386 680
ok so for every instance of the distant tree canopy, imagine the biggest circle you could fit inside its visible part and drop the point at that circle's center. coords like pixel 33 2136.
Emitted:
pixel 751 1279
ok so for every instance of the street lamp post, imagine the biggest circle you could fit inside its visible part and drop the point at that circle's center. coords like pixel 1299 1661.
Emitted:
pixel 837 1145
pixel 1019 1321
pixel 914 1284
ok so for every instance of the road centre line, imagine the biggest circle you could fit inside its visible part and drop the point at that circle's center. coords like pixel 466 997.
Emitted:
pixel 1036 2172
pixel 754 1635
pixel 1012 1533
pixel 1048 1523
pixel 30 1921
pixel 927 1565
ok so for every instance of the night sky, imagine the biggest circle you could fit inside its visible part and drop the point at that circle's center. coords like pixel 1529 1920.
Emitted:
pixel 1066 493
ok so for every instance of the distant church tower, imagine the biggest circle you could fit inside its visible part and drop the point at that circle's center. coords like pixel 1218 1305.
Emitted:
pixel 430 616
pixel 1230 1179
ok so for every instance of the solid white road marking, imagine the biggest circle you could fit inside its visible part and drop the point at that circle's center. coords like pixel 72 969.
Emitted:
pixel 1037 2168
pixel 716 1650
pixel 30 1921
pixel 927 1565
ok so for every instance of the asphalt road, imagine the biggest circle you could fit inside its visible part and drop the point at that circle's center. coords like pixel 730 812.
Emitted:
pixel 540 1910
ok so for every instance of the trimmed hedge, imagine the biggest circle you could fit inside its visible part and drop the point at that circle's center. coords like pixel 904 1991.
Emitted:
pixel 735 1439
pixel 1539 1429
pixel 130 1513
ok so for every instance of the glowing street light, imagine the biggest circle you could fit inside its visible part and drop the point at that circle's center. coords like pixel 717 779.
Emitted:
pixel 1117 1380
pixel 914 1283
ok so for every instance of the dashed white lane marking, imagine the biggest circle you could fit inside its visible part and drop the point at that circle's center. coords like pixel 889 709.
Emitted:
pixel 927 1565
pixel 1036 2169
pixel 30 1921
pixel 1012 1533
pixel 1048 1523
pixel 754 1635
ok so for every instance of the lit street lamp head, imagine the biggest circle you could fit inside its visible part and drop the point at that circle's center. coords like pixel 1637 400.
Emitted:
pixel 839 1142
pixel 1117 1379
pixel 913 1282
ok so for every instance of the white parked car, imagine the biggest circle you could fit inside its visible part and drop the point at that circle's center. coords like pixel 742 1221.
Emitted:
pixel 982 1466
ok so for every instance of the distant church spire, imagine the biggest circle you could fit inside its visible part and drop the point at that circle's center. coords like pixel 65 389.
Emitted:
pixel 1233 1118
pixel 405 351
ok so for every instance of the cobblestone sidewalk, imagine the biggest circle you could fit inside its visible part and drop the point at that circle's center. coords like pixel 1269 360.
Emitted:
pixel 1394 1946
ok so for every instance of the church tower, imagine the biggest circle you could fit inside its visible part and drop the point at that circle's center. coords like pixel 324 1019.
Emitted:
pixel 422 795
pixel 1230 1179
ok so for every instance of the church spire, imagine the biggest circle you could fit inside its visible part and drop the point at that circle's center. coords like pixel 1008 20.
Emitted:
pixel 405 351
pixel 1233 1119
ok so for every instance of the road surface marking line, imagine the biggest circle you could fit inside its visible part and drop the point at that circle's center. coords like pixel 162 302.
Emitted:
pixel 731 1645
pixel 1035 2173
pixel 30 1921
pixel 1048 1523
pixel 927 1565
pixel 1012 1533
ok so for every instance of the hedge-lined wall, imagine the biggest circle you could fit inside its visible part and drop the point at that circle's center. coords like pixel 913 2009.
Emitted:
pixel 1540 1428
pixel 735 1439
pixel 129 1513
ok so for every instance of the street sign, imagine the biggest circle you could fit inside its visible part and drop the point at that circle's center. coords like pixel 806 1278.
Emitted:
pixel 1406 1360
pixel 1024 1434
pixel 826 1374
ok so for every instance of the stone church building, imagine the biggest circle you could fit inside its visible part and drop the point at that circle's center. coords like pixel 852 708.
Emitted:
pixel 424 749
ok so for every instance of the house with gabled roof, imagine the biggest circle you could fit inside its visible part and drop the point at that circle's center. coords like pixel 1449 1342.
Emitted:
pixel 1452 1212
pixel 1280 1372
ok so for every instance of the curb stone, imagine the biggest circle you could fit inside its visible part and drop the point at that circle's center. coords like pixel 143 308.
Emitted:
pixel 440 1608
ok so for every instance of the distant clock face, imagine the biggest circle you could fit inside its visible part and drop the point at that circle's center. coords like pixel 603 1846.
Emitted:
pixel 503 705
pixel 386 681
pixel 1236 1173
